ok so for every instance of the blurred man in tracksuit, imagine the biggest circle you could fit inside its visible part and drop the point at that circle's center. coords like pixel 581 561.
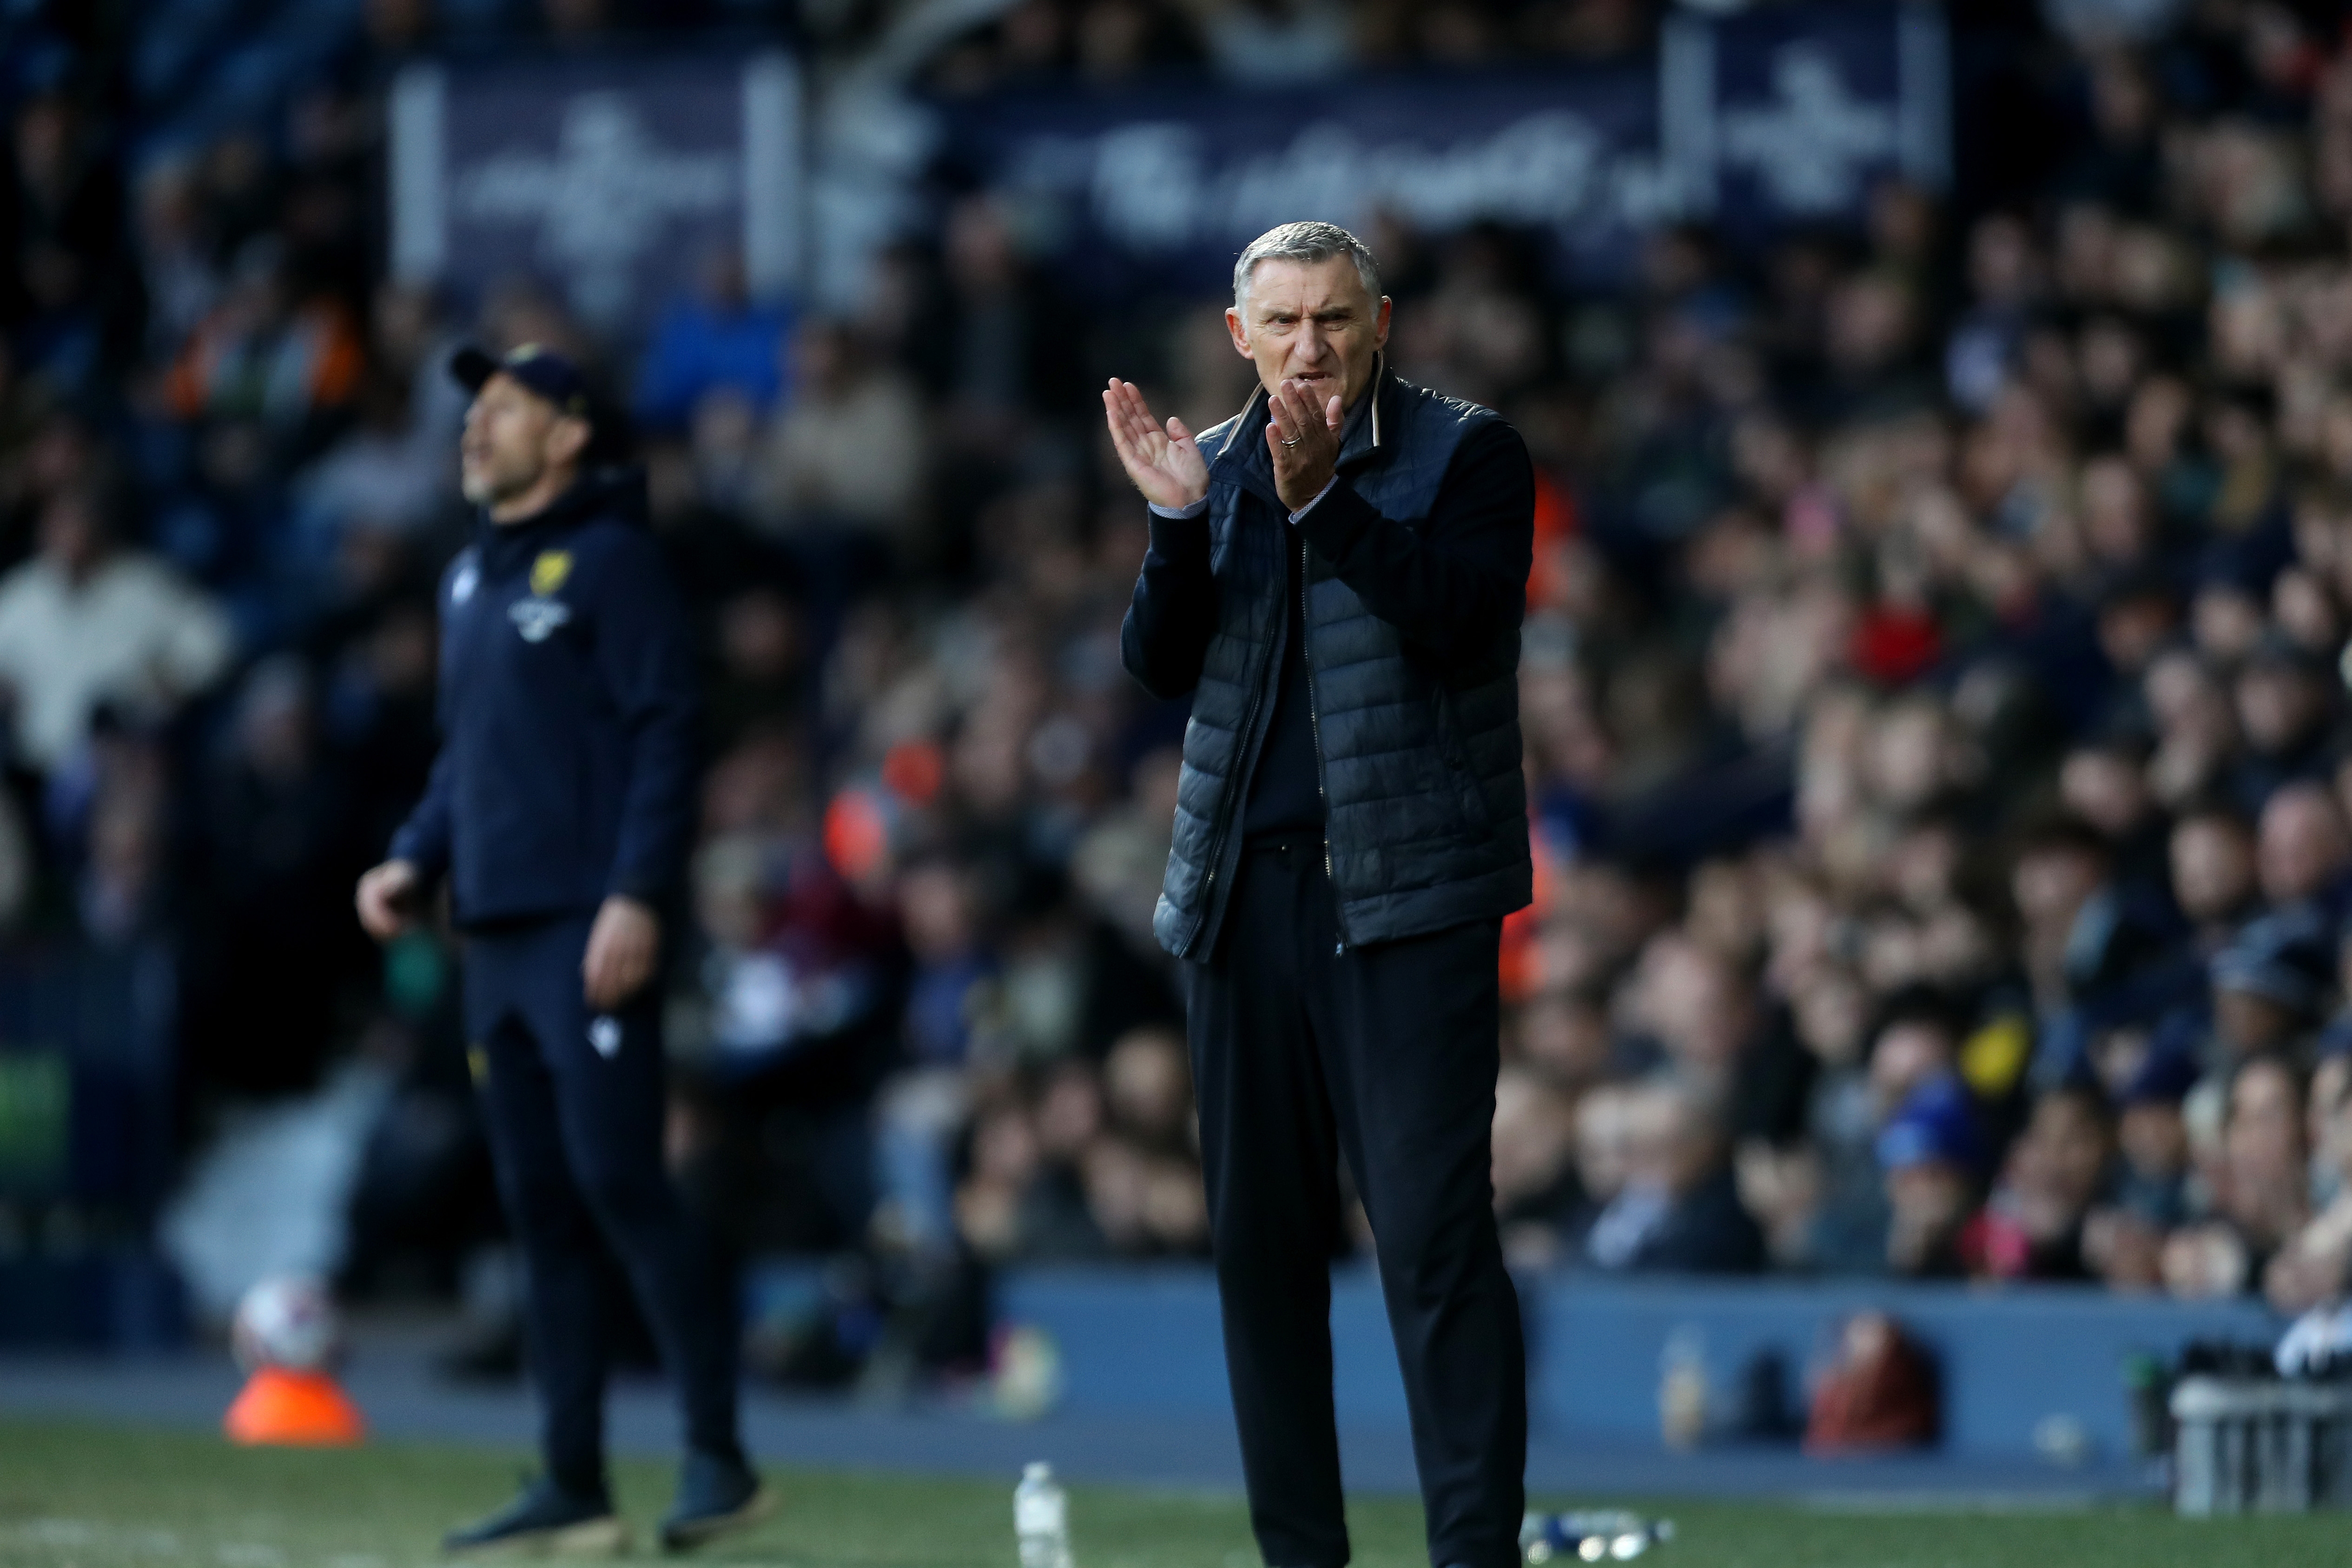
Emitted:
pixel 561 808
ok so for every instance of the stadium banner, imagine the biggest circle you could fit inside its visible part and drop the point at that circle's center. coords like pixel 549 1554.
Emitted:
pixel 1167 183
pixel 1752 121
pixel 611 180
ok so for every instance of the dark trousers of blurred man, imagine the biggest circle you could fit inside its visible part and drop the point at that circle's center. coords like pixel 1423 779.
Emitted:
pixel 1336 578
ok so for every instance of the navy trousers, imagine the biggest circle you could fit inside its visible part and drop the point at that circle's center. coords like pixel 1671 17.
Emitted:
pixel 575 1105
pixel 1304 1054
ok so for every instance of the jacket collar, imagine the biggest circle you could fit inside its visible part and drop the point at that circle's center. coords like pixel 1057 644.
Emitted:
pixel 1359 438
pixel 616 492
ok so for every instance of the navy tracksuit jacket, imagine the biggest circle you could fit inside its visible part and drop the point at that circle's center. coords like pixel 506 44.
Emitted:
pixel 567 773
pixel 569 715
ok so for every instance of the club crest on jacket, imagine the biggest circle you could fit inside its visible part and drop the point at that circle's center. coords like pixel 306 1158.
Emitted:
pixel 537 616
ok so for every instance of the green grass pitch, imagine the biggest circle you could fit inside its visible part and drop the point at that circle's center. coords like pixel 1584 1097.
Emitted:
pixel 85 1497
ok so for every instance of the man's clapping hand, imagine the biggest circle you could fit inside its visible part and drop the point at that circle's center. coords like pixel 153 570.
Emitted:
pixel 1303 441
pixel 1165 465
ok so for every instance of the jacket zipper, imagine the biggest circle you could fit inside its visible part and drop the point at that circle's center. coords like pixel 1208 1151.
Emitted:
pixel 1314 729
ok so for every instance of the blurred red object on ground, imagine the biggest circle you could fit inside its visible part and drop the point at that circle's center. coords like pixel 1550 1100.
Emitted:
pixel 294 1409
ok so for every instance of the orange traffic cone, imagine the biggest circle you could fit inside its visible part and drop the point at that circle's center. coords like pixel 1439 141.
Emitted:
pixel 295 1409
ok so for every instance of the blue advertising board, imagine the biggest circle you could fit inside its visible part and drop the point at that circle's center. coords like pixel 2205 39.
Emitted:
pixel 1174 180
pixel 611 179
pixel 1751 122
pixel 1790 112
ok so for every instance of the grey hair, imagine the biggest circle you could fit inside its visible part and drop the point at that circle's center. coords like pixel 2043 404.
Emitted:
pixel 1309 242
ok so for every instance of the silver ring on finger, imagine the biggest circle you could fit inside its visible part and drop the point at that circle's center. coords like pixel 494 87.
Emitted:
pixel 1294 441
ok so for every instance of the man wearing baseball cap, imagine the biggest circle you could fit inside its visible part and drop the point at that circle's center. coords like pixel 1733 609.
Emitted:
pixel 560 809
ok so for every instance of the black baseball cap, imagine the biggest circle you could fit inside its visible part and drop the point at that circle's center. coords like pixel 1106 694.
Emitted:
pixel 541 369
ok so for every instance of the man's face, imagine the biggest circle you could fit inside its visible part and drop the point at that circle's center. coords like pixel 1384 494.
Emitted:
pixel 71 536
pixel 2277 707
pixel 2154 1139
pixel 1313 322
pixel 2302 843
pixel 2266 1113
pixel 2071 1147
pixel 512 437
pixel 2105 790
pixel 1909 1053
pixel 2212 867
pixel 2248 1022
pixel 2131 630
pixel 1930 1190
pixel 2052 883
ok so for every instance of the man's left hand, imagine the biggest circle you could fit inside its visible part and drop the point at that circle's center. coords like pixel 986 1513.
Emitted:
pixel 622 948
pixel 1303 441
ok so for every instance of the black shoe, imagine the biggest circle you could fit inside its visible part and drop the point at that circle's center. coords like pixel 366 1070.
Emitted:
pixel 716 1495
pixel 545 1521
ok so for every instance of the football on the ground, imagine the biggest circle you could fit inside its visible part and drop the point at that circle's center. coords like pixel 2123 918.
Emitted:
pixel 287 1322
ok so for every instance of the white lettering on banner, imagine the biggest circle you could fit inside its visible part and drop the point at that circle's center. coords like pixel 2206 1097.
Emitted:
pixel 603 200
pixel 1147 181
pixel 1807 135
pixel 1810 147
pixel 1152 188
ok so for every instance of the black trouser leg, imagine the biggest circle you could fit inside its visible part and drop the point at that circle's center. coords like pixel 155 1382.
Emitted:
pixel 576 1111
pixel 612 1113
pixel 1408 1032
pixel 1388 1053
pixel 1270 1155
pixel 562 1309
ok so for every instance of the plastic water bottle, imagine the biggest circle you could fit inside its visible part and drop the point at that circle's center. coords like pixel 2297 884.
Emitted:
pixel 1682 1390
pixel 1591 1535
pixel 1041 1518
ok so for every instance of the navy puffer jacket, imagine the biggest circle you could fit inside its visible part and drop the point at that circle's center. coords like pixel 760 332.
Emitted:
pixel 1414 586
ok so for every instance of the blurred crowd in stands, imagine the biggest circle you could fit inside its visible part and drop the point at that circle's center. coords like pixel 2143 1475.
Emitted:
pixel 1940 750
